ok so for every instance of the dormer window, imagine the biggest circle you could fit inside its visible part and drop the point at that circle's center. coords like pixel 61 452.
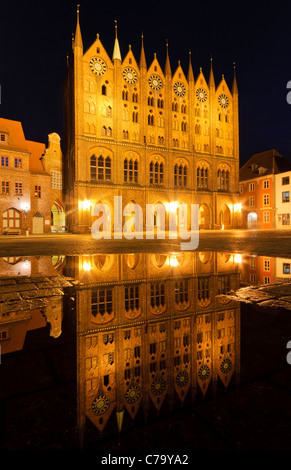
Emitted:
pixel 3 138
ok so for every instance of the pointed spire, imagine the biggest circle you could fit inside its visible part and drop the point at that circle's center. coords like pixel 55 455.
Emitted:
pixel 211 75
pixel 234 84
pixel 78 37
pixel 116 50
pixel 142 60
pixel 167 65
pixel 190 70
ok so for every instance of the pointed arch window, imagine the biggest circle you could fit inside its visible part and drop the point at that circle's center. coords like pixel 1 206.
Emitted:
pixel 104 90
pixel 180 175
pixel 202 177
pixel 100 169
pixel 160 103
pixel 156 173
pixel 175 106
pixel 150 101
pixel 93 167
pixel 184 126
pixel 130 172
pixel 134 97
pixel 135 116
pixel 125 95
pixel 150 120
pixel 223 180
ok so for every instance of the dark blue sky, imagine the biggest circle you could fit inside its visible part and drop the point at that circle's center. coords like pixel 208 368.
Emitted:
pixel 36 36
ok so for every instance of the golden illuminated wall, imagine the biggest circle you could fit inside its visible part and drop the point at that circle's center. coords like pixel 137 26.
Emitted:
pixel 153 329
pixel 164 124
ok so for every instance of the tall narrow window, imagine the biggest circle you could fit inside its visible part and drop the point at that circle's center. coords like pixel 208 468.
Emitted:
pixel 93 167
pixel 5 188
pixel 157 295
pixel 37 191
pixel 131 298
pixel 130 171
pixel 156 173
pixel 203 288
pixel 180 175
pixel 101 302
pixel 104 169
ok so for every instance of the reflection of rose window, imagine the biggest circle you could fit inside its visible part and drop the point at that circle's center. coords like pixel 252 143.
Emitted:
pixel 132 394
pixel 158 386
pixel 182 378
pixel 225 366
pixel 100 405
pixel 204 372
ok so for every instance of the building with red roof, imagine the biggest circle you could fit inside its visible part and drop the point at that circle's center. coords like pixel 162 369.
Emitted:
pixel 26 179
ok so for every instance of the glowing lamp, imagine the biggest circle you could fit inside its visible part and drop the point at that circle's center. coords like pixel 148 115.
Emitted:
pixel 86 204
pixel 237 207
pixel 86 266
pixel 237 258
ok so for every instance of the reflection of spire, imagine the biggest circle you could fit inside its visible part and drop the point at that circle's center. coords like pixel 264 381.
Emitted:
pixel 167 66
pixel 142 60
pixel 78 37
pixel 234 84
pixel 116 50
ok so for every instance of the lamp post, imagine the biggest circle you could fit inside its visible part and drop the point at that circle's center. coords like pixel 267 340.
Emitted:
pixel 26 208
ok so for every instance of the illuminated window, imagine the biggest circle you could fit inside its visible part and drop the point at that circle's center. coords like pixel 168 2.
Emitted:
pixel 37 192
pixel 286 196
pixel 285 219
pixel 286 268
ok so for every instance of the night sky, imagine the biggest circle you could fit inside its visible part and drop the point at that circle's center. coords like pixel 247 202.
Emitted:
pixel 35 38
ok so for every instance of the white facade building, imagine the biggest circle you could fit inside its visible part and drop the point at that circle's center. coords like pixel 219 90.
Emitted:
pixel 283 201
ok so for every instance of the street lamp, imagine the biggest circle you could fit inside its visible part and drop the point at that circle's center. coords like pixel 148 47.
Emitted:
pixel 25 207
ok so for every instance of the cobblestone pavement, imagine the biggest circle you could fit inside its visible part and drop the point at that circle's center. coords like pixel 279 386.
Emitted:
pixel 259 242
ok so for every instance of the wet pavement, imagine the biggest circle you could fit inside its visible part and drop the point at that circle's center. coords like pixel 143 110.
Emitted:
pixel 259 242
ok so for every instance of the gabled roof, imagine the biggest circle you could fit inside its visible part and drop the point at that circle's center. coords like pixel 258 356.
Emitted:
pixel 265 163
pixel 36 150
pixel 16 138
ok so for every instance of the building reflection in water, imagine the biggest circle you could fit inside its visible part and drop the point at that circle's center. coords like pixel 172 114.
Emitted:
pixel 31 295
pixel 152 329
